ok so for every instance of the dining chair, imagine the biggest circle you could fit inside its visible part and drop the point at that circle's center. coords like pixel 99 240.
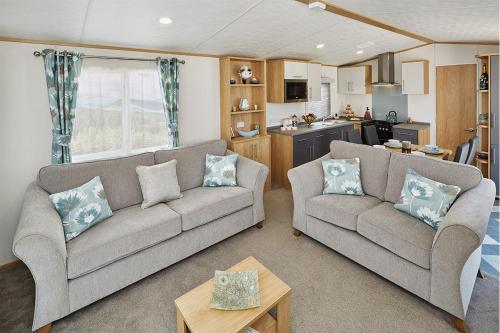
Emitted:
pixel 354 136
pixel 473 146
pixel 370 135
pixel 461 153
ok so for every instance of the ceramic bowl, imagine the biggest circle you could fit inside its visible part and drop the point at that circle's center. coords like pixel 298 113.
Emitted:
pixel 248 134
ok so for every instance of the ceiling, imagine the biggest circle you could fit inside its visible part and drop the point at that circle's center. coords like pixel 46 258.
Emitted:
pixel 260 28
pixel 439 20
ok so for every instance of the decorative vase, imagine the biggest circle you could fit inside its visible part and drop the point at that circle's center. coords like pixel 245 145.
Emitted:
pixel 244 104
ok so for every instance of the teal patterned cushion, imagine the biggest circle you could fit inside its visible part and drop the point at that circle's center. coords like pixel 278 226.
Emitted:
pixel 342 177
pixel 82 207
pixel 235 290
pixel 426 199
pixel 220 170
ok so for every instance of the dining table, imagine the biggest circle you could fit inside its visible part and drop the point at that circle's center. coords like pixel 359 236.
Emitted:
pixel 444 155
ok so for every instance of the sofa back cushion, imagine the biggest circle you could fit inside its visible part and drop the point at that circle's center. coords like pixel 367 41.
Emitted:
pixel 118 177
pixel 374 165
pixel 450 173
pixel 191 161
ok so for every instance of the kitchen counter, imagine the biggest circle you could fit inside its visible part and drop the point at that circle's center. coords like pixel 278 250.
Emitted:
pixel 304 129
pixel 413 126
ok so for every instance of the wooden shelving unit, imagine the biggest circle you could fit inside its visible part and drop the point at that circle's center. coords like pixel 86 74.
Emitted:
pixel 259 147
pixel 483 130
pixel 488 104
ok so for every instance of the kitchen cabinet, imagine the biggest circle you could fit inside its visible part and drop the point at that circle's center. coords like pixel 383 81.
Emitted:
pixel 279 70
pixel 289 151
pixel 295 70
pixel 257 150
pixel 417 134
pixel 355 80
pixel 415 77
pixel 313 82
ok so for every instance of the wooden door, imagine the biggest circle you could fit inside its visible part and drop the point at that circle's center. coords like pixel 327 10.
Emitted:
pixel 455 105
pixel 258 150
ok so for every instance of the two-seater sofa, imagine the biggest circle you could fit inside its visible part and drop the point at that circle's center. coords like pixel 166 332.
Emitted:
pixel 134 242
pixel 440 265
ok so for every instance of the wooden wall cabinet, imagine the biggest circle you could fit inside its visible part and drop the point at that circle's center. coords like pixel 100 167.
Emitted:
pixel 415 77
pixel 279 70
pixel 258 147
pixel 355 80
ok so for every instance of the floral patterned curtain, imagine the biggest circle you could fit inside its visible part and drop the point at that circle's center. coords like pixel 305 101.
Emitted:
pixel 61 72
pixel 168 70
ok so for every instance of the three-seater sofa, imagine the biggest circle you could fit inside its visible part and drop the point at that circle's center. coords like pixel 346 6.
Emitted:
pixel 134 242
pixel 440 265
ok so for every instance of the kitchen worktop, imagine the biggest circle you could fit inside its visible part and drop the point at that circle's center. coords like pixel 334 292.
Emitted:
pixel 304 129
pixel 413 126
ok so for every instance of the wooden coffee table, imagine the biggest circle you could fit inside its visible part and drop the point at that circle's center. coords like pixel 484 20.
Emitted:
pixel 195 316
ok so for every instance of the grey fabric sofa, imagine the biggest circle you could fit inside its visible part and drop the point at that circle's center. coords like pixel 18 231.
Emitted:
pixel 133 243
pixel 439 266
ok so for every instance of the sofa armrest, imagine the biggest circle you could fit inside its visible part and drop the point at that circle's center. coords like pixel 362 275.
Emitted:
pixel 39 243
pixel 252 175
pixel 455 255
pixel 307 182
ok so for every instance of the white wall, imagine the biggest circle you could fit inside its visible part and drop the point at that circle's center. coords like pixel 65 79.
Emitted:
pixel 25 126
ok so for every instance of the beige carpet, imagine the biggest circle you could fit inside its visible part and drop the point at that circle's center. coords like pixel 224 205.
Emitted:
pixel 330 292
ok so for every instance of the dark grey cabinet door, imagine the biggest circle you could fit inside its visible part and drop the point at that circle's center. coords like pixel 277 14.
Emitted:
pixel 405 135
pixel 495 166
pixel 303 147
pixel 494 91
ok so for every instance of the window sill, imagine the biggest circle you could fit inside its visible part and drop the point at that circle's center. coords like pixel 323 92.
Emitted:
pixel 114 154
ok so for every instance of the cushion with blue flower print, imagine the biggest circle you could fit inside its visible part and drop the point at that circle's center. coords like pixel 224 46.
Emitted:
pixel 220 170
pixel 426 199
pixel 82 207
pixel 342 177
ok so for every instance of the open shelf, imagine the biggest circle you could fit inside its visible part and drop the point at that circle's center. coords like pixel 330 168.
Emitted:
pixel 482 160
pixel 483 91
pixel 238 139
pixel 247 85
pixel 483 126
pixel 244 112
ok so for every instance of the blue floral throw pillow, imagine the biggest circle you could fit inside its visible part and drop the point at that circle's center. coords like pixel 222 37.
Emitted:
pixel 220 170
pixel 342 177
pixel 426 199
pixel 82 207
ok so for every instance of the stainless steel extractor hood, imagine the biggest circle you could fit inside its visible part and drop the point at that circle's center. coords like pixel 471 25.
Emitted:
pixel 385 70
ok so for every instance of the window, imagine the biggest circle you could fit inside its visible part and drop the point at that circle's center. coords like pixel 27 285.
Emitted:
pixel 321 108
pixel 119 110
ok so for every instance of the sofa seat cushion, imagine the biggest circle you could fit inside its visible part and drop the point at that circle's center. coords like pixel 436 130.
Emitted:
pixel 398 232
pixel 201 205
pixel 128 231
pixel 339 209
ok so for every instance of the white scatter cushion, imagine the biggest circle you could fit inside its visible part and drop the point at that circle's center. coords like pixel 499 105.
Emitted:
pixel 158 183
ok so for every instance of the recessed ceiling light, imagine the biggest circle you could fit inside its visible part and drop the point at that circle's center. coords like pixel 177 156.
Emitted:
pixel 359 52
pixel 320 46
pixel 165 20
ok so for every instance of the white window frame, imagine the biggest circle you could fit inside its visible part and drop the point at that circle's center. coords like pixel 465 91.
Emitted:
pixel 126 130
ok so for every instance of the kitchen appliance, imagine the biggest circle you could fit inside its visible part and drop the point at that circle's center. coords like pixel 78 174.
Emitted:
pixel 384 130
pixel 385 70
pixel 295 91
pixel 392 117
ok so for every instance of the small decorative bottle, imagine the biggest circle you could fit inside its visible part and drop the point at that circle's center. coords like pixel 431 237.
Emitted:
pixel 483 81
pixel 368 115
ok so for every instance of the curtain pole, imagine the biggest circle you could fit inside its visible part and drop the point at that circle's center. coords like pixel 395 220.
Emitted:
pixel 83 56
